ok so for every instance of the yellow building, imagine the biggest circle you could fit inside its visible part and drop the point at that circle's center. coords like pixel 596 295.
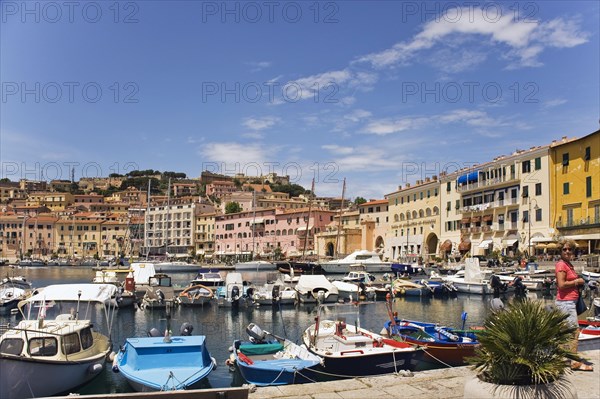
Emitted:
pixel 204 235
pixel 575 188
pixel 341 237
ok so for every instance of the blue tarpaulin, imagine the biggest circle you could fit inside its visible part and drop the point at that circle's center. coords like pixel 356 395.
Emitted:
pixel 468 178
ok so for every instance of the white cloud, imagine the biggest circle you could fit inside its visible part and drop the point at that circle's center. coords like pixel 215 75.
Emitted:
pixel 260 123
pixel 525 39
pixel 338 150
pixel 357 114
pixel 257 66
pixel 470 117
pixel 234 153
pixel 388 126
pixel 554 103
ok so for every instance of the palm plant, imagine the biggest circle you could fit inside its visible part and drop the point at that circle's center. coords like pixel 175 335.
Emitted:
pixel 524 344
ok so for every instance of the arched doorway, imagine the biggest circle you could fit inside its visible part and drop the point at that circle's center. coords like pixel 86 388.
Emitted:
pixel 379 244
pixel 329 249
pixel 431 244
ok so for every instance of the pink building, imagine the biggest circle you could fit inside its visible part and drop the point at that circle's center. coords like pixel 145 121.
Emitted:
pixel 263 230
pixel 220 188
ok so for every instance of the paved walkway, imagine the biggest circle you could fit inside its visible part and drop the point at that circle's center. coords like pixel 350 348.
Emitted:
pixel 442 383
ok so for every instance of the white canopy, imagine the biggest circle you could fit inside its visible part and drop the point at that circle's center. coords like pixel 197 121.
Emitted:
pixel 485 243
pixel 71 292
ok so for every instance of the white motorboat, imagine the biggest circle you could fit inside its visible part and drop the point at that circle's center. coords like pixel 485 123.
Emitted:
pixel 370 262
pixel 256 265
pixel 175 266
pixel 208 278
pixel 316 288
pixel 50 351
pixel 233 292
pixel 472 281
pixel 276 293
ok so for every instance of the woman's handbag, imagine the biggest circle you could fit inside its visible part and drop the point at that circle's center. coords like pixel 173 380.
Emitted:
pixel 580 306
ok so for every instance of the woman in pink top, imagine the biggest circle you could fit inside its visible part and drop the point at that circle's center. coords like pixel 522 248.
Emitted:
pixel 567 293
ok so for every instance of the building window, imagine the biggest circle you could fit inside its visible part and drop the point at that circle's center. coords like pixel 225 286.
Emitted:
pixel 538 188
pixel 538 215
pixel 588 186
pixel 448 186
pixel 525 191
pixel 588 154
pixel 566 188
pixel 565 161
pixel 525 216
pixel 526 166
pixel 448 206
pixel 538 163
pixel 569 216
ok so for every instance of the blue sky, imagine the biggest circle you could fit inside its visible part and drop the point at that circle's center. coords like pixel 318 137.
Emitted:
pixel 378 92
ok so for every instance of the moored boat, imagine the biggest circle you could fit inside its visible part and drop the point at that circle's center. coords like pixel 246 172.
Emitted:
pixel 50 352
pixel 316 288
pixel 274 361
pixel 165 363
pixel 349 351
pixel 370 262
pixel 195 295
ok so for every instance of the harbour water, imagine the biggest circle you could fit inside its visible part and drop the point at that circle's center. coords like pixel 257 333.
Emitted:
pixel 222 325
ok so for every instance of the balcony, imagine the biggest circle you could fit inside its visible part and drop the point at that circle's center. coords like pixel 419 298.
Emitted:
pixel 476 230
pixel 465 230
pixel 588 222
pixel 499 181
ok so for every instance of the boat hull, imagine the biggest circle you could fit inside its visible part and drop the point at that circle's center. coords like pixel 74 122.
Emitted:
pixel 270 370
pixel 184 362
pixel 26 378
pixel 334 268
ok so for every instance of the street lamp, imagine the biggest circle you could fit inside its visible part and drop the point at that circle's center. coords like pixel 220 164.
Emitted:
pixel 529 222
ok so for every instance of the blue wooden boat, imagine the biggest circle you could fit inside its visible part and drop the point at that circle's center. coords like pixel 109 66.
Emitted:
pixel 443 346
pixel 274 361
pixel 164 363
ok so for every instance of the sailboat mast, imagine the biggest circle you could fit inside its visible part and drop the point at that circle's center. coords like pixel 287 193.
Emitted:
pixel 253 223
pixel 168 231
pixel 312 193
pixel 146 224
pixel 337 238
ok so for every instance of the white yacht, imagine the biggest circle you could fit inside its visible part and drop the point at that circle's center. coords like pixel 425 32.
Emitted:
pixel 369 260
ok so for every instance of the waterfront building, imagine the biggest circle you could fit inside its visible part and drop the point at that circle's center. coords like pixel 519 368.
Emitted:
pixel 10 190
pixel 114 237
pixel 26 235
pixel 414 212
pixel 259 232
pixel 374 221
pixel 79 235
pixel 342 236
pixel 204 235
pixel 502 205
pixel 169 226
pixel 55 201
pixel 575 188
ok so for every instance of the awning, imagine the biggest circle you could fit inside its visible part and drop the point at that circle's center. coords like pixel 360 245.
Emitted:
pixel 464 245
pixel 488 218
pixel 446 246
pixel 485 243
pixel 468 178
pixel 552 246
pixel 465 220
pixel 302 228
pixel 257 221
pixel 541 239
pixel 541 246
pixel 510 243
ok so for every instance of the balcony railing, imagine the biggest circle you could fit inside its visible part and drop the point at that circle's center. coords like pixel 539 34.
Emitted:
pixel 583 222
pixel 476 229
pixel 487 183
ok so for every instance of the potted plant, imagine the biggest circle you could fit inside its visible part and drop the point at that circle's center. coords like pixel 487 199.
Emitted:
pixel 523 354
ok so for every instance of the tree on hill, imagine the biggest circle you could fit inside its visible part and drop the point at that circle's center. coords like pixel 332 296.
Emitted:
pixel 139 173
pixel 359 201
pixel 293 190
pixel 233 207
pixel 174 175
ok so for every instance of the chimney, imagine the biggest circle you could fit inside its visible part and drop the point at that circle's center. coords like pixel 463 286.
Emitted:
pixel 427 180
pixel 407 185
pixel 434 178
pixel 400 187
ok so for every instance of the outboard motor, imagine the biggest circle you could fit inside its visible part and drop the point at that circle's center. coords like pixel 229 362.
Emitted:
pixel 256 334
pixel 497 285
pixel 154 332
pixel 160 296
pixel 235 293
pixel 275 293
pixel 520 289
pixel 186 329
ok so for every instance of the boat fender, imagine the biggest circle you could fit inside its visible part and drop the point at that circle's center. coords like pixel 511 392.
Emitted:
pixel 447 334
pixel 214 362
pixel 244 358
pixel 115 365
pixel 95 368
pixel 409 324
